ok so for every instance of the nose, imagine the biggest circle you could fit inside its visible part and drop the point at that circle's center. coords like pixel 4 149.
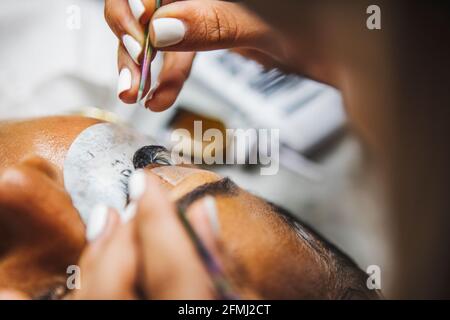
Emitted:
pixel 151 155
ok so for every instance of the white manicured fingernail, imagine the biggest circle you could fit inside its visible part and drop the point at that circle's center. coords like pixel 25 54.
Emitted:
pixel 124 83
pixel 136 185
pixel 97 222
pixel 137 8
pixel 133 47
pixel 152 91
pixel 211 209
pixel 130 212
pixel 168 32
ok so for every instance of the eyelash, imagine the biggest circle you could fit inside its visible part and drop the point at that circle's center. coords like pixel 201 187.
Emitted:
pixel 161 157
pixel 125 176
pixel 151 155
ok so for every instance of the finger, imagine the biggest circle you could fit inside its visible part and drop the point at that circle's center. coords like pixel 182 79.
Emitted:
pixel 143 10
pixel 175 71
pixel 129 77
pixel 207 25
pixel 108 264
pixel 101 224
pixel 128 72
pixel 203 217
pixel 122 22
pixel 171 266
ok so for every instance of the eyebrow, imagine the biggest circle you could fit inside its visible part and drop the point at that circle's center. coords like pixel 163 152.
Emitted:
pixel 226 187
pixel 223 187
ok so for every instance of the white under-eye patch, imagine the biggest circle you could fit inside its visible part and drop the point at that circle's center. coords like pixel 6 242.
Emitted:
pixel 98 165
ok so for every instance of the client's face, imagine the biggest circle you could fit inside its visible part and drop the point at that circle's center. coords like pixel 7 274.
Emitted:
pixel 269 254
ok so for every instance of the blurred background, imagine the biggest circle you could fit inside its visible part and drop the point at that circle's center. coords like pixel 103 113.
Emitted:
pixel 59 57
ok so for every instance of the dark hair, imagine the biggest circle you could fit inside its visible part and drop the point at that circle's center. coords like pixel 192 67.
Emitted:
pixel 349 281
pixel 223 187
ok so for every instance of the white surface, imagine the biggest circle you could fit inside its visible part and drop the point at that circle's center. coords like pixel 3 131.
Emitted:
pixel 98 165
pixel 49 68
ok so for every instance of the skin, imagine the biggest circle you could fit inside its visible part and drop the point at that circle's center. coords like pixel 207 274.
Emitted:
pixel 32 198
pixel 397 103
pixel 395 87
pixel 41 233
pixel 210 24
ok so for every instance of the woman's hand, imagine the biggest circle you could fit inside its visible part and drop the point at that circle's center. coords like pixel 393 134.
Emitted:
pixel 149 257
pixel 181 28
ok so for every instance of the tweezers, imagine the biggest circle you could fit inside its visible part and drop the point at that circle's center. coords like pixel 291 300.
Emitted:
pixel 146 63
pixel 223 288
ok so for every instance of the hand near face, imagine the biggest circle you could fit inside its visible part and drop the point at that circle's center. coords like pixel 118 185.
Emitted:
pixel 149 257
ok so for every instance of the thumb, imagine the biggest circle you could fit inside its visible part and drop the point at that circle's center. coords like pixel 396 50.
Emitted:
pixel 199 25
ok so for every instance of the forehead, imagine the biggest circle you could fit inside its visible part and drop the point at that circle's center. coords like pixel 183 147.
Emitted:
pixel 270 255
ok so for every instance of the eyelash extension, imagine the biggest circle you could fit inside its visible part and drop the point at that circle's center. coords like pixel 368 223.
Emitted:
pixel 151 155
pixel 124 180
pixel 124 188
pixel 143 157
